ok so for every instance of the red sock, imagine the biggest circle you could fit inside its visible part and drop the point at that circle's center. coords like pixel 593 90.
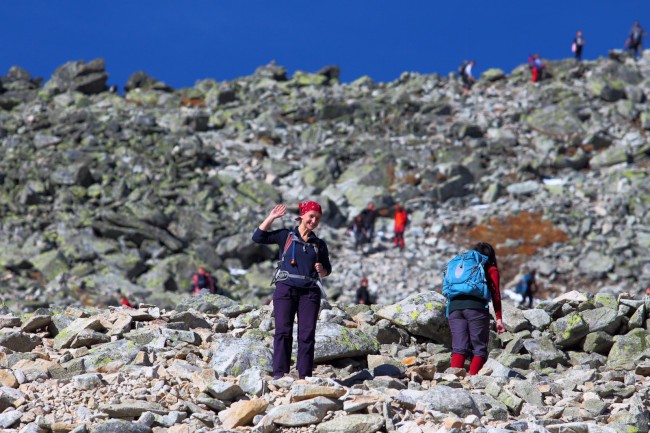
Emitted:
pixel 457 360
pixel 476 364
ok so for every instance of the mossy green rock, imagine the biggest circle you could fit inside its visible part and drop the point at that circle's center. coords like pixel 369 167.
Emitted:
pixel 306 79
pixel 569 329
pixel 213 304
pixel 232 355
pixel 607 90
pixel 544 352
pixel 357 423
pixel 319 172
pixel 421 314
pixel 261 193
pixel 335 341
pixel 123 351
pixel 602 319
pixel 555 121
pixel 608 157
pixel 444 399
pixel 174 273
pixel 66 336
pixel 120 426
pixel 493 74
pixel 50 264
pixel 598 342
pixel 627 349
pixel 606 299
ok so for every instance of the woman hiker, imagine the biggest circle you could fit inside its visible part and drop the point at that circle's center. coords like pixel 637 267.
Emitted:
pixel 469 317
pixel 304 259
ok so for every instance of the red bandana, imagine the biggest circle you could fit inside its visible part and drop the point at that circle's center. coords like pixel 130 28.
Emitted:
pixel 306 206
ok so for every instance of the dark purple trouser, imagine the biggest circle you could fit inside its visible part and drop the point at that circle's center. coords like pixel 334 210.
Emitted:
pixel 288 300
pixel 470 331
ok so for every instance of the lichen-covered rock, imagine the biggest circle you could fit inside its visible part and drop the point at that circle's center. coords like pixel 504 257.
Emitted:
pixel 441 398
pixel 569 329
pixel 335 341
pixel 303 413
pixel 595 264
pixel 544 351
pixel 19 341
pixel 213 304
pixel 116 354
pixel 628 349
pixel 421 314
pixel 360 423
pixel 602 319
pixel 120 426
pixel 232 356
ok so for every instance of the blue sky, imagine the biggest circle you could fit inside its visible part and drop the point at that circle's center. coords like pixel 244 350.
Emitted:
pixel 179 42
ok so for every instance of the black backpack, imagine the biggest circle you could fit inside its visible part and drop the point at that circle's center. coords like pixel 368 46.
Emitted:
pixel 461 69
pixel 202 281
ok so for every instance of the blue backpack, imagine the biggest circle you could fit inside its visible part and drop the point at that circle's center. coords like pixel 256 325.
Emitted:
pixel 465 275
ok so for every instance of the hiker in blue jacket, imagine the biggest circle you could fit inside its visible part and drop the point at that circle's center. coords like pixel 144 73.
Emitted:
pixel 527 286
pixel 304 259
pixel 634 41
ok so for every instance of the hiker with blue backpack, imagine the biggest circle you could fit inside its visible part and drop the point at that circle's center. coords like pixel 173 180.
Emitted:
pixel 471 281
pixel 526 287
pixel 304 260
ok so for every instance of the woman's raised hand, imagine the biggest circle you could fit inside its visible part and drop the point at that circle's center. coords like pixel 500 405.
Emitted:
pixel 278 211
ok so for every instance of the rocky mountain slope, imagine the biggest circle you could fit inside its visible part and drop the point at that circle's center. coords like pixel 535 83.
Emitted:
pixel 102 192
pixel 578 363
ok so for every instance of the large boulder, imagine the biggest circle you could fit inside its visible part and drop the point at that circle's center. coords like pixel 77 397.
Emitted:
pixel 595 264
pixel 628 349
pixel 440 398
pixel 544 352
pixel 357 423
pixel 241 247
pixel 172 274
pixel 19 341
pixel 232 355
pixel 570 329
pixel 304 412
pixel 89 78
pixel 213 304
pixel 555 121
pixel 421 314
pixel 335 341
pixel 114 354
pixel 602 319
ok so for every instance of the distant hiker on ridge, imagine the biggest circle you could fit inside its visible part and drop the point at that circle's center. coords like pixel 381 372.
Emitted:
pixel 466 75
pixel 576 46
pixel 635 41
pixel 536 68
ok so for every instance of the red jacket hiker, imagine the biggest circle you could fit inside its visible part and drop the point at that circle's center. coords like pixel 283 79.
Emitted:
pixel 401 220
pixel 202 280
pixel 125 302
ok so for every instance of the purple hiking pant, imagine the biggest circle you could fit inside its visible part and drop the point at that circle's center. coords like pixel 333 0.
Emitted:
pixel 287 301
pixel 470 331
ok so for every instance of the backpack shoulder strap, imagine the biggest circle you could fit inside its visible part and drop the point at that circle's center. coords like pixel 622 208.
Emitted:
pixel 290 238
